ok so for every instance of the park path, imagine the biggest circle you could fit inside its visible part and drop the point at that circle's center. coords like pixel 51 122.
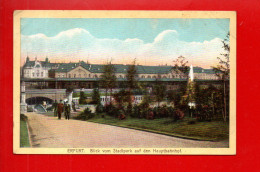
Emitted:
pixel 49 132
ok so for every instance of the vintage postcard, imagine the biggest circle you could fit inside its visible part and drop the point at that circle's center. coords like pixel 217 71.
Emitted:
pixel 125 82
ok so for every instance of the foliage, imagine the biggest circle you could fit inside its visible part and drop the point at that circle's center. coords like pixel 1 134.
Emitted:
pixel 82 98
pixel 121 97
pixel 222 70
pixel 108 78
pixel 178 114
pixel 99 108
pixel 24 135
pixel 23 117
pixel 208 102
pixel 174 96
pixel 85 115
pixel 95 96
pixel 180 66
pixel 112 110
pixel 215 130
pixel 131 76
pixel 159 91
pixel 131 84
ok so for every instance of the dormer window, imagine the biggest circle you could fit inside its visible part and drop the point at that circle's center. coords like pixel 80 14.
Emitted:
pixel 37 66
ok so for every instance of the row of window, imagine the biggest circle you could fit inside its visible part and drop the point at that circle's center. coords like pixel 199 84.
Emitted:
pixel 37 74
pixel 120 76
pixel 108 99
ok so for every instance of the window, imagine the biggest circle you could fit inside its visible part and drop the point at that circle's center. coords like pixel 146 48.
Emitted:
pixel 148 76
pixel 42 74
pixel 74 75
pixel 79 75
pixel 89 76
pixel 69 75
pixel 33 74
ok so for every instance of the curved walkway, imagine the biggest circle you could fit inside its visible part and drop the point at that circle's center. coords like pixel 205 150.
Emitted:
pixel 49 132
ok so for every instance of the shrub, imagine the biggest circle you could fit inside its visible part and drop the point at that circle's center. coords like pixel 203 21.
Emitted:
pixel 86 114
pixel 178 114
pixel 23 117
pixel 136 111
pixel 111 110
pixel 99 108
pixel 203 113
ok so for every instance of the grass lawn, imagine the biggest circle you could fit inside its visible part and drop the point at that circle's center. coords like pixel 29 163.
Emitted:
pixel 24 137
pixel 214 131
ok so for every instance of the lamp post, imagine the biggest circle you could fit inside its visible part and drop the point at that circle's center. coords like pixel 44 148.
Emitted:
pixel 191 106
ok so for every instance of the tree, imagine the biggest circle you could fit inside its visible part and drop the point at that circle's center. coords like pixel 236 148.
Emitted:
pixel 96 96
pixel 108 79
pixel 121 97
pixel 175 97
pixel 131 82
pixel 180 66
pixel 82 98
pixel 159 90
pixel 222 70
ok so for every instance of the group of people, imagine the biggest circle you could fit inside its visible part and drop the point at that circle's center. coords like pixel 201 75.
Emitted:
pixel 60 108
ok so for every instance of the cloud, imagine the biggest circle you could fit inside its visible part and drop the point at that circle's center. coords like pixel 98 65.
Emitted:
pixel 78 43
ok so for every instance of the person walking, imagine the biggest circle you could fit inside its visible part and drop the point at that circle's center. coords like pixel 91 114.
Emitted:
pixel 67 111
pixel 60 109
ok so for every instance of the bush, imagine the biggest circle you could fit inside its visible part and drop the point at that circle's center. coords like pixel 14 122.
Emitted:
pixel 136 112
pixel 178 114
pixel 99 108
pixel 85 115
pixel 111 110
pixel 23 117
pixel 203 113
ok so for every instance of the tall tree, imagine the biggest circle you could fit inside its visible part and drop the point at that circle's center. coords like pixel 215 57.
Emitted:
pixel 159 90
pixel 108 79
pixel 82 98
pixel 222 70
pixel 131 77
pixel 96 96
pixel 180 66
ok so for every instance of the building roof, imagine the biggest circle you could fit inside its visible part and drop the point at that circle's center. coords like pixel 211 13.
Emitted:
pixel 119 68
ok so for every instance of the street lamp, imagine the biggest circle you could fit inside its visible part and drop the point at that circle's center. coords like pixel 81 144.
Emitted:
pixel 192 106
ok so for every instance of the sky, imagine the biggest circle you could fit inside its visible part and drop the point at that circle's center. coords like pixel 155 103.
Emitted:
pixel 98 40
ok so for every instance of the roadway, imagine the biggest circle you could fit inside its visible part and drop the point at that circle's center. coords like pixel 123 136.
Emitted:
pixel 49 132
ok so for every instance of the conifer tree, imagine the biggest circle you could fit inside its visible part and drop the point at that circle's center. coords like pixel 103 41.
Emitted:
pixel 222 70
pixel 108 79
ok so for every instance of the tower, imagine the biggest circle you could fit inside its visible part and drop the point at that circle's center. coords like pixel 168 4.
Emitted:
pixel 27 59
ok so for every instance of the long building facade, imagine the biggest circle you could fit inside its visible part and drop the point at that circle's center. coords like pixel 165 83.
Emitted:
pixel 44 74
